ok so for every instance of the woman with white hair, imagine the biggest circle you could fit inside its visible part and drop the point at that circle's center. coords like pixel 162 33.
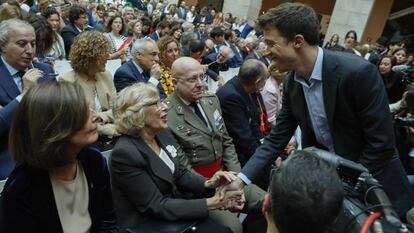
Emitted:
pixel 148 182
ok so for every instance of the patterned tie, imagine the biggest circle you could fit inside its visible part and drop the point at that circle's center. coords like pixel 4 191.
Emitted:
pixel 198 112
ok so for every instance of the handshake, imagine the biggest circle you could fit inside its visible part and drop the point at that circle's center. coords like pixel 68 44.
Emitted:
pixel 229 193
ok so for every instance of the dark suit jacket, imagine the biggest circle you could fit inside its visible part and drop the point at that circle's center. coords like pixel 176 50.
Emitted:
pixel 208 20
pixel 215 68
pixel 237 59
pixel 358 118
pixel 241 118
pixel 128 74
pixel 69 32
pixel 29 204
pixel 144 187
pixel 8 94
pixel 154 36
pixel 181 12
pixel 253 55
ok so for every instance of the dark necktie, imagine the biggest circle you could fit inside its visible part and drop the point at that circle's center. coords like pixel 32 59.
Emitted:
pixel 198 112
pixel 20 74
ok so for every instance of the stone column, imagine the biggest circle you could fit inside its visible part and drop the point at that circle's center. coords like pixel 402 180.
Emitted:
pixel 349 15
pixel 248 9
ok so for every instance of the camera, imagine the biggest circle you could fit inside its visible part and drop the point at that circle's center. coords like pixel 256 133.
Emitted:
pixel 405 121
pixel 363 195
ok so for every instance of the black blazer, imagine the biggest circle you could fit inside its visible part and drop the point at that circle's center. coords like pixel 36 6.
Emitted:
pixel 241 118
pixel 29 205
pixel 128 74
pixel 144 186
pixel 358 117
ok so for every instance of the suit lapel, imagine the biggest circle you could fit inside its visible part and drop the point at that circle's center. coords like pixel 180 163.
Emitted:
pixel 157 166
pixel 135 71
pixel 7 82
pixel 330 82
pixel 189 116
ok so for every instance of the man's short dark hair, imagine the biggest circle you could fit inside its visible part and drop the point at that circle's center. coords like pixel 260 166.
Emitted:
pixel 228 34
pixel 291 19
pixel 382 40
pixel 163 24
pixel 75 12
pixel 306 194
pixel 197 45
pixel 251 70
pixel 216 32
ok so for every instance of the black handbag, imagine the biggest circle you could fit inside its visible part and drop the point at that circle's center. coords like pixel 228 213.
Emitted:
pixel 162 226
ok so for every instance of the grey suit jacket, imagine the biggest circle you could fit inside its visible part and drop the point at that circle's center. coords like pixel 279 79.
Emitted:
pixel 144 187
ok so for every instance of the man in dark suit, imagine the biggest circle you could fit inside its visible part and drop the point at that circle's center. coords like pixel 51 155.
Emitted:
pixel 201 31
pixel 338 100
pixel 239 108
pixel 78 18
pixel 203 17
pixel 259 52
pixel 217 62
pixel 230 38
pixel 18 73
pixel 182 10
pixel 143 67
pixel 163 28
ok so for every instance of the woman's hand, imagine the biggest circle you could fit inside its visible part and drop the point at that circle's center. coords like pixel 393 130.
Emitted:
pixel 226 201
pixel 220 178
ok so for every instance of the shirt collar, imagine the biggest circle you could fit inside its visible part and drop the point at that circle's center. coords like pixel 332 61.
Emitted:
pixel 140 70
pixel 10 68
pixel 317 69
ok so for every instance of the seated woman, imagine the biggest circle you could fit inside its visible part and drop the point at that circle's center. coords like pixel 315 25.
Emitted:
pixel 170 50
pixel 88 59
pixel 60 184
pixel 58 48
pixel 392 81
pixel 114 30
pixel 147 180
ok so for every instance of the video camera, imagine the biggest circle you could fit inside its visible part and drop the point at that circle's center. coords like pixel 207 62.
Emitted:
pixel 363 196
pixel 407 70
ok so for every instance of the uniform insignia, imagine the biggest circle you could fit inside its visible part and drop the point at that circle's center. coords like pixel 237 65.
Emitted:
pixel 217 118
pixel 188 132
pixel 179 109
pixel 210 102
pixel 180 127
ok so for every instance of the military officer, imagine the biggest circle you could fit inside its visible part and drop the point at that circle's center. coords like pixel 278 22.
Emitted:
pixel 194 118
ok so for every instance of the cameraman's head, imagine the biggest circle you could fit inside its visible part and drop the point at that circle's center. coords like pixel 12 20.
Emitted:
pixel 407 101
pixel 306 195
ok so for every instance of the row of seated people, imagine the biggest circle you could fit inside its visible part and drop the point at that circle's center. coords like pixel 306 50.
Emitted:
pixel 63 185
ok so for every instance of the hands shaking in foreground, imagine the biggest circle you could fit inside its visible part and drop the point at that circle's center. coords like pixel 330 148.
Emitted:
pixel 229 192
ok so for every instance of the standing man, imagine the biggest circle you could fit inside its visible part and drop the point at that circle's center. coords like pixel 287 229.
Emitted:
pixel 18 73
pixel 195 120
pixel 163 28
pixel 338 100
pixel 143 67
pixel 182 10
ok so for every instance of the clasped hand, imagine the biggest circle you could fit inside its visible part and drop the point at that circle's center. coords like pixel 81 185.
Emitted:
pixel 229 194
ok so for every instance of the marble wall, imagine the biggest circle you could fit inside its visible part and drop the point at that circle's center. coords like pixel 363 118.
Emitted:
pixel 248 9
pixel 349 15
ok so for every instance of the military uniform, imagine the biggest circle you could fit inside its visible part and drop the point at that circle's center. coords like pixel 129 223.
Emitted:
pixel 201 144
pixel 204 145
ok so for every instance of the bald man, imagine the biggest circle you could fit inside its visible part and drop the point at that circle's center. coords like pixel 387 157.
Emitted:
pixel 196 121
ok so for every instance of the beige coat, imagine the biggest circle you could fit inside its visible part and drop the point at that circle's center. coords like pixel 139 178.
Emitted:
pixel 106 92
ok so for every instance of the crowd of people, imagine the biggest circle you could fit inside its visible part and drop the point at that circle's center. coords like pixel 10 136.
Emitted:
pixel 180 153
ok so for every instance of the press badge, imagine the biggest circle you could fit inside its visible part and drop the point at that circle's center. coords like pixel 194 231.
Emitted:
pixel 217 118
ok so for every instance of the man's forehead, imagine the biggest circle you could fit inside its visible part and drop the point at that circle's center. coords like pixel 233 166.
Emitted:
pixel 19 33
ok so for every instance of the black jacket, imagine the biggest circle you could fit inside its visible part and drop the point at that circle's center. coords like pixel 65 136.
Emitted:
pixel 29 204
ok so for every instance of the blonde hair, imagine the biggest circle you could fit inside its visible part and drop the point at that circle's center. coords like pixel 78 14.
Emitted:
pixel 130 107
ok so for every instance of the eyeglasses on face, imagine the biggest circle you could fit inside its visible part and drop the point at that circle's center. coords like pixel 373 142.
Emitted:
pixel 196 78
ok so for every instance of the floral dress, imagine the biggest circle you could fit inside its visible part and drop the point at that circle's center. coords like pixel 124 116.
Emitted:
pixel 166 80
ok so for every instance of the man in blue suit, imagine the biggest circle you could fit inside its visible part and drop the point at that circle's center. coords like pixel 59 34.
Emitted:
pixel 18 73
pixel 143 67
pixel 163 28
pixel 230 38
